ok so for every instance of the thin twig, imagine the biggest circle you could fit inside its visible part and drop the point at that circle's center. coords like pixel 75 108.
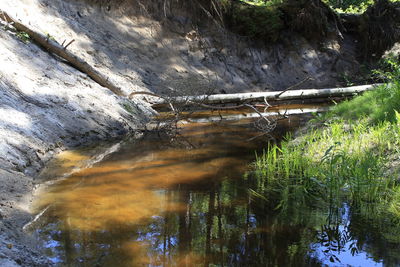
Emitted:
pixel 217 107
pixel 295 85
pixel 255 137
pixel 258 112
pixel 65 47
pixel 144 93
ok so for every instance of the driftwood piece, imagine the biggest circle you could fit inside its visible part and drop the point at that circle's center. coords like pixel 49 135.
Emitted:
pixel 61 51
pixel 266 96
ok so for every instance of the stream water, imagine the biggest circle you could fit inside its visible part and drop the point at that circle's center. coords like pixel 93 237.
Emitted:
pixel 185 201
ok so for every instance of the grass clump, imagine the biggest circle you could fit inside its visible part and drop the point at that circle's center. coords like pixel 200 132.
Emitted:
pixel 23 36
pixel 347 156
pixel 375 106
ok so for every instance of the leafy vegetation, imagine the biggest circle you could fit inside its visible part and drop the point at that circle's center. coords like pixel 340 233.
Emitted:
pixel 316 19
pixel 345 166
pixel 257 19
pixel 263 2
pixel 266 20
pixel 350 6
pixel 344 6
pixel 341 6
pixel 349 155
pixel 23 36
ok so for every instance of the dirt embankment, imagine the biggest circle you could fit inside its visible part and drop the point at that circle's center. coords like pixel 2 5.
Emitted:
pixel 46 105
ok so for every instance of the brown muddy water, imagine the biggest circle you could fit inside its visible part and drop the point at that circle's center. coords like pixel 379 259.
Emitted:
pixel 182 200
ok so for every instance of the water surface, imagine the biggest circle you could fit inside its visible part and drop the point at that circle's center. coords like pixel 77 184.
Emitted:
pixel 186 200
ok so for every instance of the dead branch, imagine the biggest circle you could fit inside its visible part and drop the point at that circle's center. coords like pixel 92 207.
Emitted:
pixel 66 46
pixel 145 93
pixel 59 50
pixel 295 85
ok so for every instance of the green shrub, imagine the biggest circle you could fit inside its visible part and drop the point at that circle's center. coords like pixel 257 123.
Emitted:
pixel 261 22
pixel 350 6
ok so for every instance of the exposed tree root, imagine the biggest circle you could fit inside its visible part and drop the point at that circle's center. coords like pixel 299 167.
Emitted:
pixel 379 29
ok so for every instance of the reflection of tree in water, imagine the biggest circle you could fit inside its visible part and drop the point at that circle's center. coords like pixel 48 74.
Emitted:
pixel 224 225
pixel 235 221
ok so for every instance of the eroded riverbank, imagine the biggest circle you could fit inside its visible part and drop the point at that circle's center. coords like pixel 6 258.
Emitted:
pixel 46 107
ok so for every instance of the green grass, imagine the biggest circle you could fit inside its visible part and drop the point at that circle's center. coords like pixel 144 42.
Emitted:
pixel 129 107
pixel 372 108
pixel 348 155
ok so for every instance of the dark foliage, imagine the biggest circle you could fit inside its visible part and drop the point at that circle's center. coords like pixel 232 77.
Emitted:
pixel 312 19
pixel 379 29
pixel 257 22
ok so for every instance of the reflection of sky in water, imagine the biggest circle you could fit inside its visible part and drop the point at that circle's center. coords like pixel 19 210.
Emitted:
pixel 346 259
pixel 55 259
pixel 52 244
pixel 359 258
pixel 123 209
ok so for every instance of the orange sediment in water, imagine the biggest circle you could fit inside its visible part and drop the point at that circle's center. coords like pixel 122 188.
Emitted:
pixel 146 181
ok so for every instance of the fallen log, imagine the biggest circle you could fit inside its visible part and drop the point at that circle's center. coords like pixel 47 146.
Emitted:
pixel 264 96
pixel 80 64
pixel 61 51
